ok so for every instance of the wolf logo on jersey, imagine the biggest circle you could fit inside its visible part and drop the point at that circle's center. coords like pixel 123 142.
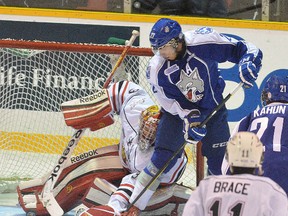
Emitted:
pixel 190 83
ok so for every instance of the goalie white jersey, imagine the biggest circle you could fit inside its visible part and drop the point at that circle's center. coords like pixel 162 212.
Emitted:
pixel 129 100
pixel 92 178
pixel 237 195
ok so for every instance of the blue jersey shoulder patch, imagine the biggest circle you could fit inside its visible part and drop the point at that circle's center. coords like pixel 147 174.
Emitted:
pixel 204 30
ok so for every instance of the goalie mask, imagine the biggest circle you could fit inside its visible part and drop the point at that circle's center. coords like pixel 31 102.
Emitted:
pixel 245 150
pixel 148 126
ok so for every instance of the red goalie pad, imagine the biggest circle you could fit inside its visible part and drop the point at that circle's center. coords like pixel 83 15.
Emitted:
pixel 74 181
pixel 102 210
pixel 88 112
pixel 167 200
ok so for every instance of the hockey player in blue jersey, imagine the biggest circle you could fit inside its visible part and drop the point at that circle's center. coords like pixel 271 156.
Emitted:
pixel 184 77
pixel 270 123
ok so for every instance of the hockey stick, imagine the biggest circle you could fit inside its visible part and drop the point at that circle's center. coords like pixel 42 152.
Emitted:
pixel 217 108
pixel 160 171
pixel 47 197
pixel 135 34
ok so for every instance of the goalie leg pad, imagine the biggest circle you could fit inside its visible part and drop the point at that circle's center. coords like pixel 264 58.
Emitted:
pixel 79 180
pixel 75 180
pixel 99 193
pixel 31 203
pixel 103 210
pixel 169 194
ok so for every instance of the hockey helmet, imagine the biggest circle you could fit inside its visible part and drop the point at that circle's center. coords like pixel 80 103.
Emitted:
pixel 275 89
pixel 149 120
pixel 163 31
pixel 245 149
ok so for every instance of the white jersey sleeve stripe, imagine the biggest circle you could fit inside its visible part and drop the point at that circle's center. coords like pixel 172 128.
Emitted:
pixel 124 92
pixel 114 97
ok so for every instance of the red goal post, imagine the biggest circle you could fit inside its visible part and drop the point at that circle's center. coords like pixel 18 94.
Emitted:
pixel 74 47
pixel 35 78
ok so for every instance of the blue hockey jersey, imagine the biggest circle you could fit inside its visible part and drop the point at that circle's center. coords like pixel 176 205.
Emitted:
pixel 194 82
pixel 271 125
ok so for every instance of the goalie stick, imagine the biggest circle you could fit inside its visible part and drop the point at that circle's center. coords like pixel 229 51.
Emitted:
pixel 160 171
pixel 47 197
pixel 135 34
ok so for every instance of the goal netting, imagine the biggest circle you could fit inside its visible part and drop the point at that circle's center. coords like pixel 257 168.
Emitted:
pixel 35 78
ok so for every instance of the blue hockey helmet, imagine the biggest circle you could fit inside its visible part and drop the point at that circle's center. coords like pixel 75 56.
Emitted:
pixel 163 31
pixel 275 90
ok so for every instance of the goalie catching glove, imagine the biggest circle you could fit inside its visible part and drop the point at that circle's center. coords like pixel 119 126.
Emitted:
pixel 93 111
pixel 192 133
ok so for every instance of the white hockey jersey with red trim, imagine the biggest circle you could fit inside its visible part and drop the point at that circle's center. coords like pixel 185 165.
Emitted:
pixel 237 195
pixel 129 100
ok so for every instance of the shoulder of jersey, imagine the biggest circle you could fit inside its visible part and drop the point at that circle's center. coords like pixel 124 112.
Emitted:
pixel 133 88
pixel 154 65
pixel 200 36
pixel 269 181
pixel 156 60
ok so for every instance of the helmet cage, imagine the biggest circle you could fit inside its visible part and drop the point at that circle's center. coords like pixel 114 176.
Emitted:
pixel 163 31
pixel 172 43
pixel 149 120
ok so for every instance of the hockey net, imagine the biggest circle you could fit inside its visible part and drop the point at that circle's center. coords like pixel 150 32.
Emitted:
pixel 35 78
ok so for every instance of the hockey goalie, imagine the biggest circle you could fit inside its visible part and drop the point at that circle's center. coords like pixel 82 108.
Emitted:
pixel 104 181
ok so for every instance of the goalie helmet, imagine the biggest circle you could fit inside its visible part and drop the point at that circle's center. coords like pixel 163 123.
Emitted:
pixel 149 120
pixel 245 150
pixel 165 31
pixel 275 90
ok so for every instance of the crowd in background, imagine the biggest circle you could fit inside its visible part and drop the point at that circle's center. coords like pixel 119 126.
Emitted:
pixel 245 9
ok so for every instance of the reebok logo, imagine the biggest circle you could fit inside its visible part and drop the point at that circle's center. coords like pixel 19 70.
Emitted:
pixel 63 158
pixel 92 97
pixel 84 156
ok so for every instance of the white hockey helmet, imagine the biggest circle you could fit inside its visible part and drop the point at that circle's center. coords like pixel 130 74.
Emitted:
pixel 149 120
pixel 245 149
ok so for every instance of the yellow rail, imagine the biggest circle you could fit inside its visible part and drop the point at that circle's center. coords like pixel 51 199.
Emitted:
pixel 136 18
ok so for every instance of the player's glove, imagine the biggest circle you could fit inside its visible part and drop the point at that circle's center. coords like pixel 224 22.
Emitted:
pixel 192 133
pixel 248 72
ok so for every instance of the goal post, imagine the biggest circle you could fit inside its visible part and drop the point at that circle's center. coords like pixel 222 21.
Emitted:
pixel 35 78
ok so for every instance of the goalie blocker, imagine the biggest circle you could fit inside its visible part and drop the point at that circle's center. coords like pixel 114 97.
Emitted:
pixel 96 177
